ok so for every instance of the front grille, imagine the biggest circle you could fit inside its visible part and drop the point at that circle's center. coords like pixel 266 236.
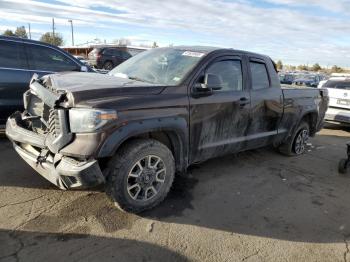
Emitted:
pixel 45 118
pixel 49 121
pixel 54 127
pixel 36 106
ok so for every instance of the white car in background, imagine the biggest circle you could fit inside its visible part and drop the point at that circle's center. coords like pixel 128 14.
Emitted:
pixel 82 59
pixel 339 98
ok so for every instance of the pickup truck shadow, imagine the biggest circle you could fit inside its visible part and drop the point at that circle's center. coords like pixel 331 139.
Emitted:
pixel 263 193
pixel 15 172
pixel 259 193
pixel 35 246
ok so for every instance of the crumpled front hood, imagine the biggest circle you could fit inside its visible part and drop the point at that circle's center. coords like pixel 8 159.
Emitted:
pixel 80 87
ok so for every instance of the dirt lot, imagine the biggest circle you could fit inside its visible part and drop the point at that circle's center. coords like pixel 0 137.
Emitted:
pixel 257 206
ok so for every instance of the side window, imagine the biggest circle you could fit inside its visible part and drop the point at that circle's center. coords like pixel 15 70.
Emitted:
pixel 12 55
pixel 260 78
pixel 118 53
pixel 125 55
pixel 230 74
pixel 108 51
pixel 46 59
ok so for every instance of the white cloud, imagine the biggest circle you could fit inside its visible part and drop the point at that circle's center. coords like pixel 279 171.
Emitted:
pixel 339 6
pixel 281 32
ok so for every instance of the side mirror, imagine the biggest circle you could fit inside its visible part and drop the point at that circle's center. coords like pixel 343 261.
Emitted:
pixel 84 69
pixel 211 82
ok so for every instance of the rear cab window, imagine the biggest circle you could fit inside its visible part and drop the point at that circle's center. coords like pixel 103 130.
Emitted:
pixel 12 55
pixel 259 75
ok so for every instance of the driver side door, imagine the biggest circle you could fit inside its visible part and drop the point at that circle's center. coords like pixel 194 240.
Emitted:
pixel 219 118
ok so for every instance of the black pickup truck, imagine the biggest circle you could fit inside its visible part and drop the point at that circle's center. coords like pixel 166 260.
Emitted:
pixel 156 114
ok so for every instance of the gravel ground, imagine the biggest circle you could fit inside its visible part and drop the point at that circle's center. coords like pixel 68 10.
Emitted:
pixel 255 206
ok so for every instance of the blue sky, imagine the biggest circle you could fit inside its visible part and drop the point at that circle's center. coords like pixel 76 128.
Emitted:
pixel 295 31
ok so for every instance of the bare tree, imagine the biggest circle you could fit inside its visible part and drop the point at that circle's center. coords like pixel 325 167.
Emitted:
pixel 49 38
pixel 21 32
pixel 337 69
pixel 279 65
pixel 8 32
pixel 316 67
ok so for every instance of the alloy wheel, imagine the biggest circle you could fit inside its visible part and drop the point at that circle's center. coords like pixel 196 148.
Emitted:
pixel 146 178
pixel 300 141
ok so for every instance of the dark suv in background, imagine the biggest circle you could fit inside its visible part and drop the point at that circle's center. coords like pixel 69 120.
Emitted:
pixel 19 60
pixel 107 57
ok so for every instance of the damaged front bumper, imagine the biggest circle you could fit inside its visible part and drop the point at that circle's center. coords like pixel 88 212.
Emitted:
pixel 63 171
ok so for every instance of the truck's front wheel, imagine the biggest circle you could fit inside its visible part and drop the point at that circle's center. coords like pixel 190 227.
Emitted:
pixel 142 173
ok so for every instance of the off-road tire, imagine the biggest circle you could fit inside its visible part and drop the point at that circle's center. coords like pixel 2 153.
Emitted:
pixel 288 148
pixel 121 166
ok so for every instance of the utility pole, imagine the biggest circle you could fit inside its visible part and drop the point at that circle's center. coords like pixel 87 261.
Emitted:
pixel 30 34
pixel 53 28
pixel 71 24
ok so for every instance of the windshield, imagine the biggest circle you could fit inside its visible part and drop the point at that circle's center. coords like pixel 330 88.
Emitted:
pixel 164 66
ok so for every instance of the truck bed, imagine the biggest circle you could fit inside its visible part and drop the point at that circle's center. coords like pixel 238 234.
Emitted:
pixel 300 99
pixel 290 92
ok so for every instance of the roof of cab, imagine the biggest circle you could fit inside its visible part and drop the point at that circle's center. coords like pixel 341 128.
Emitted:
pixel 210 49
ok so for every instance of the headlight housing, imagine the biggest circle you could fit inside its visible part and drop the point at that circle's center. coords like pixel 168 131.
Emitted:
pixel 85 120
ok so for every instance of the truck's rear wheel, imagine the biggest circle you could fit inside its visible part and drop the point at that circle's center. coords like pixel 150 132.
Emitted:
pixel 142 173
pixel 296 144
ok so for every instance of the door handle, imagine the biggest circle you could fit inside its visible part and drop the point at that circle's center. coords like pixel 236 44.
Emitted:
pixel 244 101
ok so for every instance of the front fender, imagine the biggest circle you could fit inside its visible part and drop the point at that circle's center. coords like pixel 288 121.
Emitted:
pixel 174 125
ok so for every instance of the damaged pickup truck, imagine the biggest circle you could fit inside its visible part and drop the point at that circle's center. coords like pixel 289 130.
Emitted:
pixel 156 114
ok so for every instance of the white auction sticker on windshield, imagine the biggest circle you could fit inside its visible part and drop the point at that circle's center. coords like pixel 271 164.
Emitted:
pixel 193 54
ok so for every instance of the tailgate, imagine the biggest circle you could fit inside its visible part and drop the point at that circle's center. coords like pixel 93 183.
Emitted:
pixel 339 98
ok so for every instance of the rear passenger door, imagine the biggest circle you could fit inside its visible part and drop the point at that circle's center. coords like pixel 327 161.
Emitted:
pixel 14 78
pixel 266 103
pixel 45 60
